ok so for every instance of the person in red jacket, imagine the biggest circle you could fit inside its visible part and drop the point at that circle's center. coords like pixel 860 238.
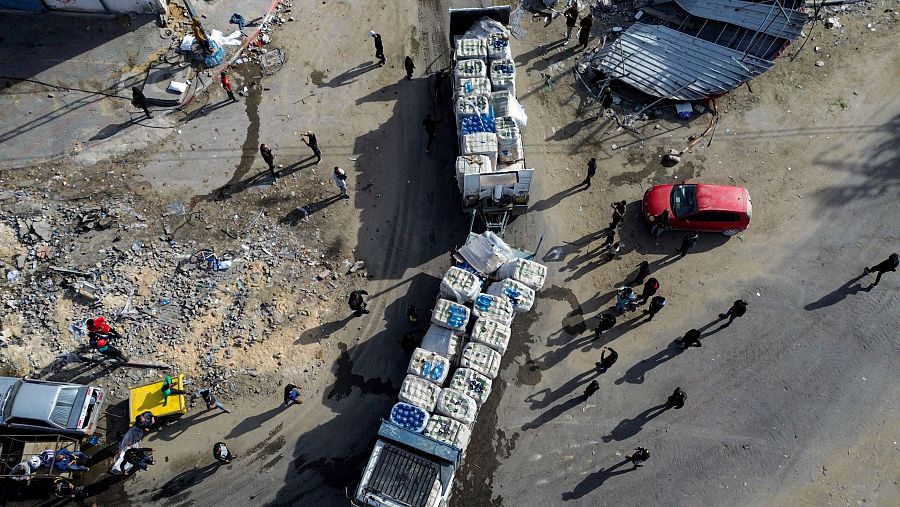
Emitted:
pixel 227 85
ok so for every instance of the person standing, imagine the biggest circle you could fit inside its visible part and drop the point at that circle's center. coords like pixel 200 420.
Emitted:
pixel 313 144
pixel 618 213
pixel 138 99
pixel 210 399
pixel 584 33
pixel 410 67
pixel 614 250
pixel 168 389
pixel 638 457
pixel 656 304
pixel 269 157
pixel 610 239
pixel 738 309
pixel 591 171
pixel 607 321
pixel 650 288
pixel 626 299
pixel 227 85
pixel 571 20
pixel 379 48
pixel 292 395
pixel 64 488
pixel 676 399
pixel 592 388
pixel 430 129
pixel 221 453
pixel 690 339
pixel 145 420
pixel 608 357
pixel 643 272
pixel 357 302
pixel 100 337
pixel 888 265
pixel 688 242
pixel 662 224
pixel 340 179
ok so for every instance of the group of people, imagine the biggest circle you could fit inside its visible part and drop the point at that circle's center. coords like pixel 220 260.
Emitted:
pixel 584 30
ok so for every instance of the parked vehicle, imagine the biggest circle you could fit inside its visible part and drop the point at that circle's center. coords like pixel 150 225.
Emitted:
pixel 50 407
pixel 699 207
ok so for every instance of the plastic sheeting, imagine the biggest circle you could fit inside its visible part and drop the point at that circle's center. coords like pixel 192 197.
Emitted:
pixel 450 315
pixel 472 164
pixel 497 308
pixel 472 384
pixel 471 68
pixel 505 104
pixel 486 252
pixel 520 295
pixel 473 86
pixel 419 392
pixel 461 285
pixel 449 431
pixel 528 272
pixel 494 334
pixel 442 341
pixel 429 365
pixel 481 358
pixel 457 405
pixel 471 48
pixel 409 417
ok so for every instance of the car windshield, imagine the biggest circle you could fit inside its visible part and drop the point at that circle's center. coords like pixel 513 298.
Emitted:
pixel 684 200
pixel 63 407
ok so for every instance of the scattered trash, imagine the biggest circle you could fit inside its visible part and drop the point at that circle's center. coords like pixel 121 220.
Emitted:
pixel 833 22
pixel 820 63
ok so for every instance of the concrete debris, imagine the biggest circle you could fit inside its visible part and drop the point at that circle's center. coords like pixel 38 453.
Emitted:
pixel 833 22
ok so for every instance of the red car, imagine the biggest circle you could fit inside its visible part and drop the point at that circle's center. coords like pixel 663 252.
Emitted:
pixel 699 207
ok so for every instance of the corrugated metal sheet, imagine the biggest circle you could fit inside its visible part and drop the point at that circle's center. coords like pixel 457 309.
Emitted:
pixel 663 62
pixel 760 17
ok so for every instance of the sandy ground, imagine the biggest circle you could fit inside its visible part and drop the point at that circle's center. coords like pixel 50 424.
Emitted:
pixel 796 403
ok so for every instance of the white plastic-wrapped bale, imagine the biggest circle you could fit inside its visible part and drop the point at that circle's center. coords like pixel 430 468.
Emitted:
pixel 473 105
pixel 450 315
pixel 472 384
pixel 500 102
pixel 505 104
pixel 460 285
pixel 513 166
pixel 486 252
pixel 449 431
pixel 503 76
pixel 482 359
pixel 471 48
pixel 505 123
pixel 481 143
pixel 410 417
pixel 472 164
pixel 497 308
pixel 520 295
pixel 429 365
pixel 492 333
pixel 511 151
pixel 443 341
pixel 466 86
pixel 419 392
pixel 498 46
pixel 459 406
pixel 471 68
pixel 528 272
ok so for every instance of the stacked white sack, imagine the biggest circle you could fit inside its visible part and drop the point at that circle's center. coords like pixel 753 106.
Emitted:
pixel 471 383
pixel 460 285
pixel 520 295
pixel 481 143
pixel 505 104
pixel 429 365
pixel 486 252
pixel 442 341
pixel 471 48
pixel 509 143
pixel 468 86
pixel 472 164
pixel 472 105
pixel 471 68
pixel 503 76
pixel 528 272
pixel 450 315
pixel 448 431
pixel 457 405
pixel 497 308
pixel 492 333
pixel 481 358
pixel 498 46
pixel 419 392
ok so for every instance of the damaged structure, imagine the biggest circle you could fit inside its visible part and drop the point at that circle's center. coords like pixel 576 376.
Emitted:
pixel 696 49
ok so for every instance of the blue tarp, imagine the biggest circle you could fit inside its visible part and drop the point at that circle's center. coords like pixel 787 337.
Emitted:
pixel 22 5
pixel 217 55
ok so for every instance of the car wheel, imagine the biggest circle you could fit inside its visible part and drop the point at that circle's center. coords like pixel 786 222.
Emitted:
pixel 731 232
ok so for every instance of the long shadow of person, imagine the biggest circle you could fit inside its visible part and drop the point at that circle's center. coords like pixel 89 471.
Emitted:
pixel 551 396
pixel 838 295
pixel 254 421
pixel 302 213
pixel 595 480
pixel 317 333
pixel 176 428
pixel 555 199
pixel 351 75
pixel 635 374
pixel 554 412
pixel 628 428
pixel 187 479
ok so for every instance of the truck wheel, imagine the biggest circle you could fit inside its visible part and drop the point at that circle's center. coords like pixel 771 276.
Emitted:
pixel 731 232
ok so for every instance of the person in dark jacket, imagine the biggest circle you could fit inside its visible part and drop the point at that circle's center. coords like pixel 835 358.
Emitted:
pixel 221 453
pixel 430 129
pixel 738 309
pixel 650 288
pixel 379 48
pixel 592 388
pixel 357 303
pixel 145 420
pixel 643 272
pixel 888 265
pixel 210 399
pixel 607 321
pixel 691 338
pixel 656 304
pixel 269 157
pixel 139 458
pixel 608 357
pixel 571 20
pixel 139 100
pixel 639 456
pixel 313 144
pixel 676 399
pixel 410 67
pixel 584 33
pixel 292 395
pixel 618 213
pixel 591 171
pixel 688 242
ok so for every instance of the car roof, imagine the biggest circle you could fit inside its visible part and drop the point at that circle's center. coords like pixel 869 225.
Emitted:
pixel 721 198
pixel 35 401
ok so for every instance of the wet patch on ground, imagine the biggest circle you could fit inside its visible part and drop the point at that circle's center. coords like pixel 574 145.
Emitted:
pixel 317 77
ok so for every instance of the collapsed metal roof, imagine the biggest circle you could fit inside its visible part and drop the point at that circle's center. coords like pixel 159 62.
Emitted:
pixel 695 49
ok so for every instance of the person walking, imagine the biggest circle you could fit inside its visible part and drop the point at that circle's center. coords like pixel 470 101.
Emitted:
pixel 662 224
pixel 608 357
pixel 638 457
pixel 430 129
pixel 168 389
pixel 688 242
pixel 357 302
pixel 145 420
pixel 676 399
pixel 410 67
pixel 656 304
pixel 610 239
pixel 140 457
pixel 607 321
pixel 591 171
pixel 210 399
pixel 643 272
pixel 340 179
pixel 626 299
pixel 139 100
pixel 379 48
pixel 690 339
pixel 584 33
pixel 269 157
pixel 738 309
pixel 292 395
pixel 888 265
pixel 592 388
pixel 313 144
pixel 618 213
pixel 650 288
pixel 226 84
pixel 221 453
pixel 571 20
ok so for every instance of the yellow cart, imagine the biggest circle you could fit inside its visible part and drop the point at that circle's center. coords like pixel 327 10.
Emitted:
pixel 149 397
